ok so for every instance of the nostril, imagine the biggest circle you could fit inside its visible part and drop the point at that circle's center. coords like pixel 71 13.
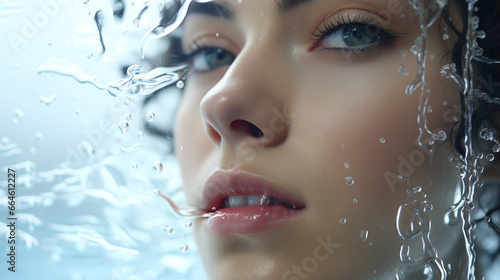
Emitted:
pixel 246 128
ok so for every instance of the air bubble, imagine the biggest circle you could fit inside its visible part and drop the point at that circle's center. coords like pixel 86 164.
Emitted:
pixel 168 229
pixel 446 36
pixel 180 148
pixel 180 84
pixel 343 221
pixel 349 181
pixel 90 55
pixel 134 165
pixel 486 134
pixel 150 116
pixel 355 201
pixel 400 177
pixel 184 248
pixel 382 140
pixel 490 157
pixel 188 224
pixel 124 126
pixel 429 109
pixel 404 53
pixel 364 235
pixel 157 167
pixel 128 117
pixel 346 165
pixel 140 134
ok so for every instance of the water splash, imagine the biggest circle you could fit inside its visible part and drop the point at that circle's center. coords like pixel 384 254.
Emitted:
pixel 413 221
pixel 428 12
pixel 138 81
pixel 163 29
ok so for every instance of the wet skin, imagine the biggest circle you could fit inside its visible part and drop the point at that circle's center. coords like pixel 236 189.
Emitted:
pixel 288 100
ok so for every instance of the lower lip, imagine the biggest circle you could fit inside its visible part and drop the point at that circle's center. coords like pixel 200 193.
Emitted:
pixel 251 219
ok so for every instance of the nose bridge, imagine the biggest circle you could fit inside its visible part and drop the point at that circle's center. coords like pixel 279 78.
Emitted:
pixel 248 103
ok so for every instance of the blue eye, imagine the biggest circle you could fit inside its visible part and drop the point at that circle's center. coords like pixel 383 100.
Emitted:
pixel 353 35
pixel 209 58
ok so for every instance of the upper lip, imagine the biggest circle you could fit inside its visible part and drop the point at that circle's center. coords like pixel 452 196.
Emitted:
pixel 221 184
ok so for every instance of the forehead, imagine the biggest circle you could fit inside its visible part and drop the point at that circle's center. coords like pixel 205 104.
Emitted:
pixel 228 9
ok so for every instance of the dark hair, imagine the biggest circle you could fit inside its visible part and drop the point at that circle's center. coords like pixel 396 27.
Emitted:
pixel 486 114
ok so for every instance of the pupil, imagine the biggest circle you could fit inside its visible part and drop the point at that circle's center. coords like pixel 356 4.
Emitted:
pixel 356 36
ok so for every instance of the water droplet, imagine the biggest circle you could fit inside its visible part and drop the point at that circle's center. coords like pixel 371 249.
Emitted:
pixel 157 167
pixel 47 100
pixel 402 70
pixel 213 208
pixel 184 248
pixel 355 200
pixel 19 113
pixel 140 134
pixel 496 148
pixel 217 34
pixel 188 224
pixel 39 136
pixel 168 229
pixel 90 55
pixel 346 165
pixel 364 235
pixel 400 177
pixel 180 84
pixel 343 221
pixel 446 36
pixel 349 181
pixel 429 109
pixel 487 219
pixel 150 116
pixel 382 140
pixel 490 157
pixel 486 134
pixel 124 126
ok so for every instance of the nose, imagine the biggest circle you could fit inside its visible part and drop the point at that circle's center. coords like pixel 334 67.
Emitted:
pixel 249 104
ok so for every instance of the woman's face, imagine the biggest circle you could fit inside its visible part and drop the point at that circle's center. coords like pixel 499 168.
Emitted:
pixel 292 100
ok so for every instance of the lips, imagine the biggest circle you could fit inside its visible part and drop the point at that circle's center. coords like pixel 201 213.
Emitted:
pixel 245 203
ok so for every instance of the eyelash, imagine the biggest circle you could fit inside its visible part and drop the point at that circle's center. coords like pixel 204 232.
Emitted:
pixel 385 37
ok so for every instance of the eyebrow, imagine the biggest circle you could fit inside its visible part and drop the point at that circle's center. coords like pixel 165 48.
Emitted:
pixel 285 6
pixel 211 9
pixel 224 11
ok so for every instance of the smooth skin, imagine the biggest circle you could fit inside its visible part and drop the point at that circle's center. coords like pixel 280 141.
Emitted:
pixel 318 110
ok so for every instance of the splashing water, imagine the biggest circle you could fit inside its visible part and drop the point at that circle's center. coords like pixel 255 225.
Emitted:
pixel 470 170
pixel 138 80
pixel 413 221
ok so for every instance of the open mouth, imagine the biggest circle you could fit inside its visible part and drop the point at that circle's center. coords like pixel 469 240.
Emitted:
pixel 255 200
pixel 244 203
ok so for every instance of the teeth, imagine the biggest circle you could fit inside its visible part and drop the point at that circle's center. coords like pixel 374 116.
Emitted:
pixel 252 199
pixel 249 200
pixel 238 201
